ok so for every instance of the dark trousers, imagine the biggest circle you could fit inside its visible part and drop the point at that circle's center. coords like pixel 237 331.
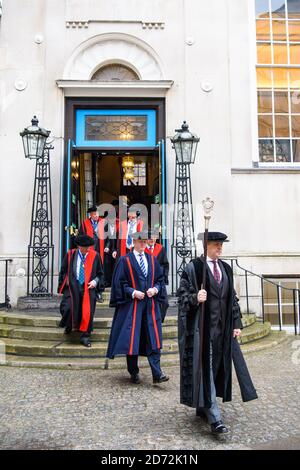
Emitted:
pixel 154 362
pixel 109 264
pixel 153 356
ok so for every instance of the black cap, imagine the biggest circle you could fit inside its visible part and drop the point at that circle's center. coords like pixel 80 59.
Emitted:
pixel 84 240
pixel 92 209
pixel 214 237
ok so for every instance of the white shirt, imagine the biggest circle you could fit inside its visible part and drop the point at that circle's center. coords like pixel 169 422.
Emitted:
pixel 211 266
pixel 138 258
pixel 111 228
pixel 133 230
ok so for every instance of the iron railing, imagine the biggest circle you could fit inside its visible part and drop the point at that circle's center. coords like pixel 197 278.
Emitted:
pixel 6 303
pixel 246 273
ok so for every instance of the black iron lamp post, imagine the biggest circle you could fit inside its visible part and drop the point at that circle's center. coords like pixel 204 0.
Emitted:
pixel 40 248
pixel 185 144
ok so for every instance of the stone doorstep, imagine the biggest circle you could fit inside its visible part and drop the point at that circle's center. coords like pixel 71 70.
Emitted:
pixel 42 320
pixel 31 333
pixel 255 332
pixel 63 349
pixel 80 363
pixel 274 339
pixel 248 320
pixel 52 303
pixel 38 333
pixel 53 321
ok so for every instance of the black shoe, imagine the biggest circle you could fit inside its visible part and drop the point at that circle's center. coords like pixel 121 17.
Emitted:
pixel 162 378
pixel 68 330
pixel 201 415
pixel 100 298
pixel 135 379
pixel 219 428
pixel 85 341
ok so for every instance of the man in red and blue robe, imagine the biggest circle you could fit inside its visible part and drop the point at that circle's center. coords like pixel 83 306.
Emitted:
pixel 94 227
pixel 80 277
pixel 137 291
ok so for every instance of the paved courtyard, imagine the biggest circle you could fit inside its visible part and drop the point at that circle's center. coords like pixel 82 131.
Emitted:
pixel 95 409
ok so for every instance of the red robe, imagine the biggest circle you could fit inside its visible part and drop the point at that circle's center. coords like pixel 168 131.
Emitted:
pixel 157 249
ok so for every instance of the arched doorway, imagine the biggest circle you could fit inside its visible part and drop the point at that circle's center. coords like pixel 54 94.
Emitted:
pixel 100 131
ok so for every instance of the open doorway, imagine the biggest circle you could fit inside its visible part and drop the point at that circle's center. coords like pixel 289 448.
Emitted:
pixel 99 134
pixel 102 177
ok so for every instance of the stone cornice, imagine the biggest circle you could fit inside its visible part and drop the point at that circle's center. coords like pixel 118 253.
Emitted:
pixel 84 24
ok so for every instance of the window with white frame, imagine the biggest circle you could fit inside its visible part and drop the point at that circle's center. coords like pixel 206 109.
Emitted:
pixel 278 80
pixel 279 302
pixel 140 176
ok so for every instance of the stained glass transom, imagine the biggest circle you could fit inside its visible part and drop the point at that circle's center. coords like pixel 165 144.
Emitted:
pixel 113 128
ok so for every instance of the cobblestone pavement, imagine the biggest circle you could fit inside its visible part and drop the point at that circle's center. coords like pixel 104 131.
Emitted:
pixel 95 409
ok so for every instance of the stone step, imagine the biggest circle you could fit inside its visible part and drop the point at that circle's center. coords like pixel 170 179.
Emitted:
pixel 248 320
pixel 66 349
pixel 51 319
pixel 40 319
pixel 83 363
pixel 41 328
pixel 275 338
pixel 51 303
pixel 255 332
pixel 32 333
pixel 65 346
pixel 53 333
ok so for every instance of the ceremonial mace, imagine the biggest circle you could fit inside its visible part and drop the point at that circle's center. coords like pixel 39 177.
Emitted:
pixel 208 205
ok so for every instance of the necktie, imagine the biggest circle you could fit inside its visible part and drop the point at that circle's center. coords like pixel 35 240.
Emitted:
pixel 216 272
pixel 130 232
pixel 95 225
pixel 81 270
pixel 142 264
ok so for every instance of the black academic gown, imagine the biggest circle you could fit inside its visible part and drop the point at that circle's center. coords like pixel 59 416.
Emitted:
pixel 78 303
pixel 189 339
pixel 164 263
pixel 109 262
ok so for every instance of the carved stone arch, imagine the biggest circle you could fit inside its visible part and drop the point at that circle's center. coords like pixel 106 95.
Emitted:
pixel 111 48
pixel 115 70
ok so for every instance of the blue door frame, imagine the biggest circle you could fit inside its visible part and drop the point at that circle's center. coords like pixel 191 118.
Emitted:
pixel 75 112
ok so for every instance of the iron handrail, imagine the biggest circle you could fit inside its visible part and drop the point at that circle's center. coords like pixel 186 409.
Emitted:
pixel 6 303
pixel 295 291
